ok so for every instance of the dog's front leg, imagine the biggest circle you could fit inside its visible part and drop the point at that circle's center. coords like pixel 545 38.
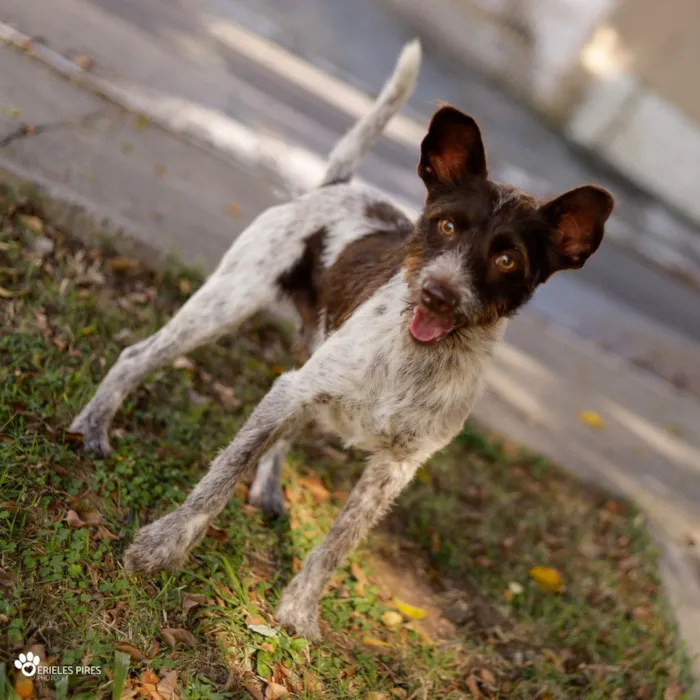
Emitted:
pixel 382 481
pixel 165 543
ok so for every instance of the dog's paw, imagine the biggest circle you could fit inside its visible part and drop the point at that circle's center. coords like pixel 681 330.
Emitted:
pixel 164 544
pixel 298 618
pixel 270 501
pixel 95 437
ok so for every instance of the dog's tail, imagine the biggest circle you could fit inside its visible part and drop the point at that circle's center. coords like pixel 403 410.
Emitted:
pixel 345 157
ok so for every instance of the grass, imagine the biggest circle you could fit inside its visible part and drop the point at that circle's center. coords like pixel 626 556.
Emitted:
pixel 459 545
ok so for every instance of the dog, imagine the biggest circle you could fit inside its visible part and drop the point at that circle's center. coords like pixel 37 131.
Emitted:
pixel 401 318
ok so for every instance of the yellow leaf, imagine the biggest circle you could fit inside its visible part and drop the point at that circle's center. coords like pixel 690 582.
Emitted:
pixel 318 491
pixel 122 264
pixel 84 62
pixel 391 618
pixel 548 579
pixel 592 419
pixel 233 210
pixel 410 611
pixel 374 642
pixel 24 687
pixel 33 223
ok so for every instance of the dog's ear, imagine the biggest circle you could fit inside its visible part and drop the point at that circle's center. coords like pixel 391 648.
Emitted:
pixel 577 219
pixel 452 150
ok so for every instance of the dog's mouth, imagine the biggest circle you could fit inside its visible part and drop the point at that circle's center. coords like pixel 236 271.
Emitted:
pixel 428 327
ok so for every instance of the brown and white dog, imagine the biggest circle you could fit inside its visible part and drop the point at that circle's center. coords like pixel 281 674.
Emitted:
pixel 401 319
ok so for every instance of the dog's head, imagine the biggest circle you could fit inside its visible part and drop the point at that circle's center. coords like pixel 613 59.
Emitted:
pixel 480 248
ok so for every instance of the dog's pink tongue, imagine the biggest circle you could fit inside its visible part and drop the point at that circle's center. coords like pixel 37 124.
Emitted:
pixel 427 327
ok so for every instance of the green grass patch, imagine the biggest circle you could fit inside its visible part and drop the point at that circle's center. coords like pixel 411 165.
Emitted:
pixel 460 543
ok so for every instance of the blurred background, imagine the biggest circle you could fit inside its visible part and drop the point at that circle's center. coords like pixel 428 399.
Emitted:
pixel 567 92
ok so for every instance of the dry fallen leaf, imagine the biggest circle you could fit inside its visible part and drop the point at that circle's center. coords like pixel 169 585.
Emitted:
pixel 7 579
pixel 375 695
pixel 264 630
pixel 217 533
pixel 274 691
pixel 487 677
pixel 167 686
pixel 409 611
pixel 104 534
pixel 192 600
pixel 592 419
pixel 547 578
pixel 184 362
pixel 474 687
pixel 84 62
pixel 74 520
pixel 173 635
pixel 90 517
pixel 318 491
pixel 516 588
pixel 359 575
pixel 374 642
pixel 225 395
pixel 391 618
pixel 132 651
pixel 673 691
pixel 149 677
pixel 33 223
pixel 291 495
pixel 122 264
pixel 253 690
pixel 9 294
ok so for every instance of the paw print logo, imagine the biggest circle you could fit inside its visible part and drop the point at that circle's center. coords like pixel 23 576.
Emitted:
pixel 28 664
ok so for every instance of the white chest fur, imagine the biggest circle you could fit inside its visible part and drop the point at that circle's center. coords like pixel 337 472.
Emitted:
pixel 382 390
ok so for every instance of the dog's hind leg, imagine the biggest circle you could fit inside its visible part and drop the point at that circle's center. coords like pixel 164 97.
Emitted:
pixel 266 490
pixel 244 283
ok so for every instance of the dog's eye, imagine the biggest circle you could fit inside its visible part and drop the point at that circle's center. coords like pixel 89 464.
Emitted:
pixel 447 227
pixel 505 263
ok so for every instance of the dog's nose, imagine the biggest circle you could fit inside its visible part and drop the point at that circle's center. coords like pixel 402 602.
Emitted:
pixel 438 298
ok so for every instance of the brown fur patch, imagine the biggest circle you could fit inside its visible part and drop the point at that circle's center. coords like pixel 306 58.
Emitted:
pixel 388 215
pixel 302 282
pixel 362 267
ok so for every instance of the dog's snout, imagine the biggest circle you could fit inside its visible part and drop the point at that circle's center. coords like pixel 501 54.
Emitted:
pixel 438 297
